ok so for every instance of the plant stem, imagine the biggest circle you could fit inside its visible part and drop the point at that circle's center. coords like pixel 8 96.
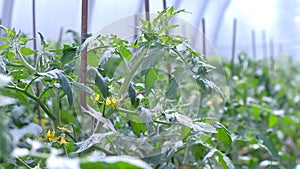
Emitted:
pixel 23 163
pixel 26 64
pixel 37 100
pixel 140 57
pixel 55 104
pixel 127 111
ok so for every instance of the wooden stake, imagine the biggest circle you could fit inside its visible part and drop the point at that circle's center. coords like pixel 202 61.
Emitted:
pixel 35 59
pixel 264 44
pixel 233 46
pixel 253 43
pixel 83 72
pixel 203 38
pixel 164 4
pixel 147 10
pixel 272 61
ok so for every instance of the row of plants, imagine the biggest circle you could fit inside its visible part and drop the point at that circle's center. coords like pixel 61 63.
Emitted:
pixel 149 105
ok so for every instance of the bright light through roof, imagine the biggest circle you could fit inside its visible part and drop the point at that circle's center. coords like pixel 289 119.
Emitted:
pixel 260 14
pixel 297 18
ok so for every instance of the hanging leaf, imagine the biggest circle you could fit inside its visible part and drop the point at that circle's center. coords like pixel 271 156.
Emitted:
pixel 269 144
pixel 43 42
pixel 132 95
pixel 66 87
pixel 172 89
pixel 102 85
pixel 150 79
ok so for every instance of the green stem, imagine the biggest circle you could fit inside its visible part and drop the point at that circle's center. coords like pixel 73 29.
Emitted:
pixel 28 85
pixel 127 111
pixel 26 64
pixel 55 104
pixel 139 58
pixel 36 99
pixel 163 122
pixel 14 64
pixel 44 91
pixel 23 163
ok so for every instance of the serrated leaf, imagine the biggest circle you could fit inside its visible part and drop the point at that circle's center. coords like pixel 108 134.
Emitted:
pixel 68 54
pixel 150 79
pixel 153 58
pixel 223 136
pixel 213 86
pixel 204 127
pixel 27 51
pixel 138 128
pixel 66 87
pixel 92 140
pixel 125 52
pixel 102 85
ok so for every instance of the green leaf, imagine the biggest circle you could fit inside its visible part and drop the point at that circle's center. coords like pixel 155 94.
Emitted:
pixel 43 42
pixel 66 87
pixel 4 46
pixel 81 87
pixel 9 55
pixel 223 136
pixel 132 95
pixel 172 89
pixel 102 85
pixel 150 79
pixel 224 160
pixel 168 27
pixel 125 52
pixel 27 51
pixel 273 120
pixel 92 140
pixel 113 162
pixel 138 127
pixel 269 144
pixel 69 53
pixel 256 111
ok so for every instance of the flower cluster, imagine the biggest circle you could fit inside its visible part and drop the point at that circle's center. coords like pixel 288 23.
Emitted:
pixel 109 101
pixel 51 136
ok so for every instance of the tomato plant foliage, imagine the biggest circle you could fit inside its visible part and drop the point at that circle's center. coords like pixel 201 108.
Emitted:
pixel 149 101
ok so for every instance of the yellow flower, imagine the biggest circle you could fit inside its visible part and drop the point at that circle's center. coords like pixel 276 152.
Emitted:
pixel 63 139
pixel 95 98
pixel 50 136
pixel 112 101
pixel 66 129
pixel 209 103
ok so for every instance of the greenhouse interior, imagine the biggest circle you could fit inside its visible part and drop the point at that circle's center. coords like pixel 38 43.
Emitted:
pixel 149 84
